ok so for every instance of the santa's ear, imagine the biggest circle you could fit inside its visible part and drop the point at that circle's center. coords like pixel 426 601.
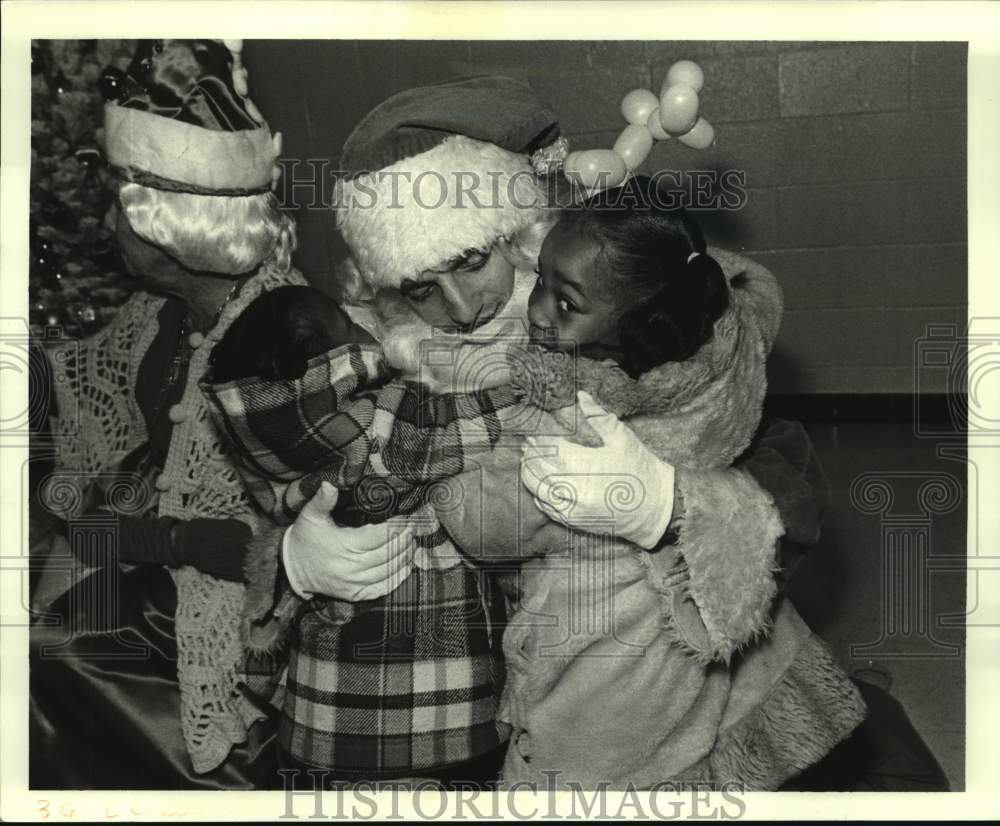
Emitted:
pixel 349 285
pixel 523 248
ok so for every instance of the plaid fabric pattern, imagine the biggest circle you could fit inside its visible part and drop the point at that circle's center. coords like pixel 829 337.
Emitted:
pixel 345 421
pixel 401 684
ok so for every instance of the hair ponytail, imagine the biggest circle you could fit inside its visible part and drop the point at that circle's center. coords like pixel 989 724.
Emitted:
pixel 675 322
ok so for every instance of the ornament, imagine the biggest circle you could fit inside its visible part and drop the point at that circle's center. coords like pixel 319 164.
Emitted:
pixel 90 159
pixel 633 145
pixel 551 158
pixel 701 135
pixel 43 256
pixel 59 83
pixel 637 105
pixel 88 156
pixel 678 108
pixel 596 168
pixel 112 85
pixel 53 279
pixel 42 262
pixel 87 314
pixel 687 72
pixel 655 127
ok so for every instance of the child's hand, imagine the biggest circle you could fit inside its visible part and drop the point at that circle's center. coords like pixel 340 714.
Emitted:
pixel 620 488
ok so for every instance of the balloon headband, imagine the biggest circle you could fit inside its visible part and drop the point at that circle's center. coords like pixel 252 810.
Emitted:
pixel 650 118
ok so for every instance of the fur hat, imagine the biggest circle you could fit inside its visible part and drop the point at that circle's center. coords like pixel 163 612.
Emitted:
pixel 438 170
pixel 179 120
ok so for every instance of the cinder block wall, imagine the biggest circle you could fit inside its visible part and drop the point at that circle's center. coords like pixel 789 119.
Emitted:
pixel 854 157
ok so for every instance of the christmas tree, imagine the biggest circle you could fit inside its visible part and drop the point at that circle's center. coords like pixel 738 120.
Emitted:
pixel 76 280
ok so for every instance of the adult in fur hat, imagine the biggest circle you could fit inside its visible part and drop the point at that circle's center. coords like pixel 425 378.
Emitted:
pixel 147 696
pixel 443 214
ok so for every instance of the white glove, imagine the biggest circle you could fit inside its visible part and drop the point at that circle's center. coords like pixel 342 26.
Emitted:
pixel 351 564
pixel 620 488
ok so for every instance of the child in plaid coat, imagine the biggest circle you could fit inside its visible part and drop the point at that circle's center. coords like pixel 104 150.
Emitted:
pixel 682 358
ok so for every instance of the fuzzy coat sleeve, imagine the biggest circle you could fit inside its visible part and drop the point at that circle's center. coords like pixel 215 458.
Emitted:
pixel 783 462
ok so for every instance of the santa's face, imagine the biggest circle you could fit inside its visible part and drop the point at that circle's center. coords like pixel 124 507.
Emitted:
pixel 464 293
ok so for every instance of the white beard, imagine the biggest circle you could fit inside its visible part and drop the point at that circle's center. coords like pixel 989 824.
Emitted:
pixel 444 361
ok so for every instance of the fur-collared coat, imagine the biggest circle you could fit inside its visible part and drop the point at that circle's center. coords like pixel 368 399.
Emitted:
pixel 628 667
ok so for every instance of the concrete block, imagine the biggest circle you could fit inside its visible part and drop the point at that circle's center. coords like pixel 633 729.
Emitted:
pixel 861 77
pixel 935 210
pixel 856 277
pixel 938 75
pixel 836 215
pixel 588 101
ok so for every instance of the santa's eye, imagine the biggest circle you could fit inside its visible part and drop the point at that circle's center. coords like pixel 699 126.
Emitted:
pixel 565 305
pixel 418 292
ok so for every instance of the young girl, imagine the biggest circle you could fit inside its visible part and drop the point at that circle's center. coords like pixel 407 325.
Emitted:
pixel 617 655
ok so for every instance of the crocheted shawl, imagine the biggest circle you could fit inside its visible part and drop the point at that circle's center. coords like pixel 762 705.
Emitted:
pixel 96 427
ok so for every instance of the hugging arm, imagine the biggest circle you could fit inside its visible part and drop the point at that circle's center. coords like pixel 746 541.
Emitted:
pixel 726 523
pixel 783 462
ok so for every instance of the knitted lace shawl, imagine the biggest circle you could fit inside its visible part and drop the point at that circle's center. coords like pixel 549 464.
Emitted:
pixel 98 423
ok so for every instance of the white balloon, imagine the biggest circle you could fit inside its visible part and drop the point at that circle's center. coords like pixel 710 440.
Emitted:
pixel 678 109
pixel 637 105
pixel 597 168
pixel 655 127
pixel 569 162
pixel 701 135
pixel 633 145
pixel 687 72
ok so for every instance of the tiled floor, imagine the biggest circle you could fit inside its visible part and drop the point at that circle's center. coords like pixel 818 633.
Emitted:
pixel 839 587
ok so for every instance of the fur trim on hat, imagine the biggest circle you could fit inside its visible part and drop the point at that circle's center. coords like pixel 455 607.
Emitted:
pixel 424 210
pixel 146 147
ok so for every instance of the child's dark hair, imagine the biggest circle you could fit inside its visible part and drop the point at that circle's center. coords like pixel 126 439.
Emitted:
pixel 674 297
pixel 277 334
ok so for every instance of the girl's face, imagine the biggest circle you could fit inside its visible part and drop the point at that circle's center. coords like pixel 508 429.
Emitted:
pixel 568 307
pixel 465 293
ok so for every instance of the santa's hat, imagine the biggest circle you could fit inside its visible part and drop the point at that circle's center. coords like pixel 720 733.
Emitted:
pixel 438 170
pixel 179 120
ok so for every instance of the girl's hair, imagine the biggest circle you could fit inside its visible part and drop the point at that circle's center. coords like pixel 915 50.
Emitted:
pixel 211 233
pixel 672 299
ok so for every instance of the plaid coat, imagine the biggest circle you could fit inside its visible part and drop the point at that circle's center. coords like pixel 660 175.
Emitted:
pixel 400 685
pixel 411 681
pixel 348 422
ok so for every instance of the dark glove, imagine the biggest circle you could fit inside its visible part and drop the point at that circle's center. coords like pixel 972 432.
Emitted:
pixel 213 546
